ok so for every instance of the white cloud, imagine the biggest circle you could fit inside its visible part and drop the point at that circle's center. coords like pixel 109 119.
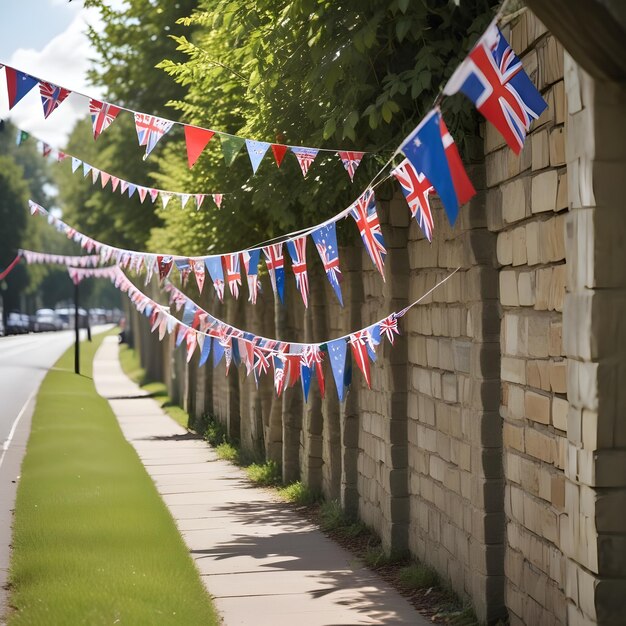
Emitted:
pixel 63 61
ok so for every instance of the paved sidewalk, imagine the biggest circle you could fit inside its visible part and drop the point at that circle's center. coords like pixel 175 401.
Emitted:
pixel 263 564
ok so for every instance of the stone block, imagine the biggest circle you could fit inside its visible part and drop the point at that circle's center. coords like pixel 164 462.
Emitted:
pixel 537 407
pixel 557 491
pixel 513 436
pixel 538 330
pixel 562 201
pixel 538 374
pixel 515 402
pixel 449 387
pixel 508 288
pixel 560 409
pixel 544 192
pixel 551 61
pixel 504 248
pixel 515 201
pixel 513 370
pixel 558 376
pixel 526 288
pixel 540 140
pixel 542 289
pixel 555 339
pixel 560 108
pixel 539 445
pixel 518 240
pixel 557 146
pixel 533 254
pixel 558 282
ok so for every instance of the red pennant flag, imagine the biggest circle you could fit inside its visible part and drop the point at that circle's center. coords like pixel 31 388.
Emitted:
pixel 104 179
pixel 196 140
pixel 143 192
pixel 18 85
pixel 114 182
pixel 279 152
pixel 462 184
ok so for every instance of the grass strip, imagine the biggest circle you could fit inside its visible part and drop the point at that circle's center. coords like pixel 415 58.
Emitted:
pixel 93 543
pixel 129 360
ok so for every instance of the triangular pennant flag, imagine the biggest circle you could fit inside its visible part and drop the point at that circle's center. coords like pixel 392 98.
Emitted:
pixel 22 136
pixel 184 198
pixel 46 150
pixel 214 265
pixel 279 374
pixel 197 267
pixel 150 129
pixel 297 252
pixel 164 263
pixel 115 181
pixel 143 192
pixel 165 198
pixel 18 85
pixel 250 259
pixel 416 189
pixel 364 213
pixel 206 349
pixel 180 335
pixel 192 341
pixel 231 144
pixel 184 268
pixel 196 140
pixel 462 184
pixel 124 186
pixel 256 152
pixel 217 198
pixel 76 163
pixel 360 343
pixel 230 263
pixel 325 239
pixel 389 328
pixel 51 97
pixel 154 194
pixel 95 172
pixel 350 160
pixel 337 356
pixel 86 169
pixel 275 263
pixel 104 179
pixel 199 200
pixel 279 151
pixel 131 190
pixel 305 157
pixel 218 352
pixel 102 115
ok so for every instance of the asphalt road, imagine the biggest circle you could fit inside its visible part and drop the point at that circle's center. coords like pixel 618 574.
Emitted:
pixel 24 361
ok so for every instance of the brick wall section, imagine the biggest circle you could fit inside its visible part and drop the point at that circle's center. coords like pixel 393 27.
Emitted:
pixel 593 528
pixel 528 202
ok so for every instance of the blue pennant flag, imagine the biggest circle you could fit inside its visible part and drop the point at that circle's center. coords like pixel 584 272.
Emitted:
pixel 256 152
pixel 216 271
pixel 180 335
pixel 218 352
pixel 189 313
pixel 337 350
pixel 206 349
pixel 235 352
pixel 325 240
pixel 86 168
pixel 305 377
pixel 131 189
pixel 425 150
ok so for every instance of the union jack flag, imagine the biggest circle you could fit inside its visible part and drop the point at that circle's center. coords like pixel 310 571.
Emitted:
pixel 261 363
pixel 310 358
pixel 214 265
pixel 51 96
pixel 305 157
pixel 276 267
pixel 197 267
pixel 102 115
pixel 361 344
pixel 250 259
pixel 279 373
pixel 150 129
pixel 164 263
pixel 389 328
pixel 494 79
pixel 297 252
pixel 364 213
pixel 325 239
pixel 416 189
pixel 230 262
pixel 350 160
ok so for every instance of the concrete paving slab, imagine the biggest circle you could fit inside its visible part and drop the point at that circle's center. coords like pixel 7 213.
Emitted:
pixel 263 564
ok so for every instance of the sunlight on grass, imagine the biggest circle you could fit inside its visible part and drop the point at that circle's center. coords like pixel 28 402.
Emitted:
pixel 299 493
pixel 227 452
pixel 93 542
pixel 264 474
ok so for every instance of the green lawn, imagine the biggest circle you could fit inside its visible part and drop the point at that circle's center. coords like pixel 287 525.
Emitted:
pixel 129 360
pixel 93 543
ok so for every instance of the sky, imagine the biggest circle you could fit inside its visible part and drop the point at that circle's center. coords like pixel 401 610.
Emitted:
pixel 47 38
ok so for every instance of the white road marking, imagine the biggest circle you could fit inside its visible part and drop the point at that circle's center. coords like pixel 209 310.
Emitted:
pixel 7 443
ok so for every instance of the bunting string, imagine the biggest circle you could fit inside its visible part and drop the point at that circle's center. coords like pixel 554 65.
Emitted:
pixel 59 259
pixel 125 187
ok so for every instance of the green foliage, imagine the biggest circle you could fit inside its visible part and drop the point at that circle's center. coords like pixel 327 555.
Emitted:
pixel 89 525
pixel 227 452
pixel 332 516
pixel 376 556
pixel 419 576
pixel 215 432
pixel 299 493
pixel 264 474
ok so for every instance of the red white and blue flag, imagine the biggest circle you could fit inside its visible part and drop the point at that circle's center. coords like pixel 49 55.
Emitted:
pixel 364 213
pixel 51 96
pixel 250 259
pixel 493 78
pixel 214 266
pixel 102 115
pixel 361 344
pixel 350 160
pixel 275 263
pixel 416 189
pixel 150 129
pixel 297 252
pixel 230 263
pixel 325 240
pixel 389 328
pixel 305 157
pixel 18 85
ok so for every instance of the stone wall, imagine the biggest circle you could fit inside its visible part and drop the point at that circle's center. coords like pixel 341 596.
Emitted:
pixel 491 443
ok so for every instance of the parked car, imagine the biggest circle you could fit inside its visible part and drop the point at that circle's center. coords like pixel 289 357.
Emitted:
pixel 67 317
pixel 47 319
pixel 16 324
